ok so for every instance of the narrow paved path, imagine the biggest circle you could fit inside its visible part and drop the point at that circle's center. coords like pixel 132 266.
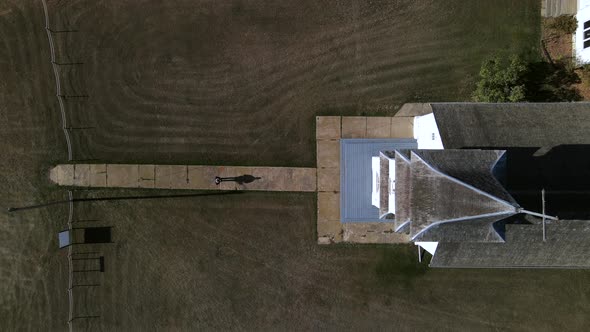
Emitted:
pixel 183 177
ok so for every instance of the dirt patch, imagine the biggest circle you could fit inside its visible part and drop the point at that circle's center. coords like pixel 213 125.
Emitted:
pixel 559 48
pixel 559 45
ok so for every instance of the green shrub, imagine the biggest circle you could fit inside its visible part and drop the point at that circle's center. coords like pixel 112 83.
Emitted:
pixel 565 24
pixel 501 81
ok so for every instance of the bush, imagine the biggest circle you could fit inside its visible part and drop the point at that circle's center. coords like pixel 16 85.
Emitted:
pixel 501 81
pixel 513 80
pixel 565 24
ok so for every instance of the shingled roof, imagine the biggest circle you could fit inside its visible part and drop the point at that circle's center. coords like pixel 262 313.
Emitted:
pixel 503 125
pixel 439 198
pixel 478 229
pixel 567 246
pixel 457 197
pixel 474 167
pixel 403 189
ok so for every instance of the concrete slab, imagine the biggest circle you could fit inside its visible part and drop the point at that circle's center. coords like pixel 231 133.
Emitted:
pixel 304 179
pixel 270 178
pixel 402 127
pixel 327 127
pixel 82 175
pixel 372 232
pixel 331 237
pixel 328 222
pixel 354 127
pixel 187 177
pixel 329 179
pixel 203 177
pixel 328 206
pixel 378 127
pixel 98 175
pixel 122 175
pixel 328 153
pixel 329 232
pixel 147 176
pixel 62 175
pixel 171 177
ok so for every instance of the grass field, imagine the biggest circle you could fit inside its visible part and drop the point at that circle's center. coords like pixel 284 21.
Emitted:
pixel 239 82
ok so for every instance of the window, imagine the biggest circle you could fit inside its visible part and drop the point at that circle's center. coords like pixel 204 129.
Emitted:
pixel 586 34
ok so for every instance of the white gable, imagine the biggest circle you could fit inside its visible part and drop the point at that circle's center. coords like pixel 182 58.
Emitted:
pixel 426 132
pixel 428 246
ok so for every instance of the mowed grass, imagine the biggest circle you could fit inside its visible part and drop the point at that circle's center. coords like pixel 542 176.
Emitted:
pixel 240 83
pixel 33 277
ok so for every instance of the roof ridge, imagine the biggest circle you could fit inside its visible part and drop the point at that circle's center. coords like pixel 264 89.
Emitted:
pixel 466 185
pixel 461 219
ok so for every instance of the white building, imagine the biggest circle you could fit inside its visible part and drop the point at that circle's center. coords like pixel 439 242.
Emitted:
pixel 581 10
pixel 582 35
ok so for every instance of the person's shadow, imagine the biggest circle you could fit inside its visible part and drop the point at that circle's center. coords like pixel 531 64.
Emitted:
pixel 246 178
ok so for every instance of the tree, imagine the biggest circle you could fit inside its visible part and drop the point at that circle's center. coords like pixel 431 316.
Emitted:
pixel 501 81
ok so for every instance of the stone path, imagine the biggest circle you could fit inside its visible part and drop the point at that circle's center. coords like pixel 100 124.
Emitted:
pixel 329 131
pixel 183 177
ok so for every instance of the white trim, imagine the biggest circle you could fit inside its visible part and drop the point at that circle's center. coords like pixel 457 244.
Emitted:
pixel 391 187
pixel 397 153
pixel 428 246
pixel 376 171
pixel 426 132
pixel 461 219
pixel 536 214
pixel 582 15
pixel 402 225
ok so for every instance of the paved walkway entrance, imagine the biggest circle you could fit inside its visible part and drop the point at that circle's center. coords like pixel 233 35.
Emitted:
pixel 325 180
pixel 329 131
pixel 183 177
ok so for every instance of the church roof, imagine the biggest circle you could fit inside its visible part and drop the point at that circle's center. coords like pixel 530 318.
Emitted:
pixel 567 246
pixel 503 125
pixel 403 188
pixel 439 198
pixel 355 176
pixel 478 229
pixel 474 167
